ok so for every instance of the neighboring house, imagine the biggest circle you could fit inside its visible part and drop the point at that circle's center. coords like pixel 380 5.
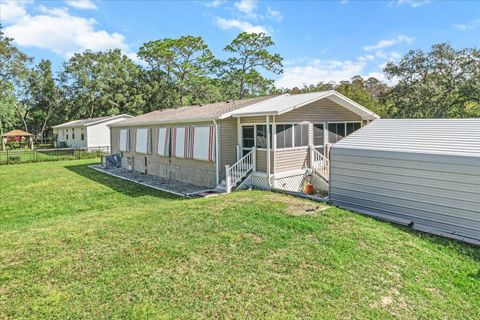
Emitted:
pixel 227 145
pixel 90 133
pixel 424 173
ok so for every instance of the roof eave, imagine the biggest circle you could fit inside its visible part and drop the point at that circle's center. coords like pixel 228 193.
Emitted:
pixel 156 122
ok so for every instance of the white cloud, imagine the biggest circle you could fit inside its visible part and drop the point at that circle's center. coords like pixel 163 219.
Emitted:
pixel 241 25
pixel 318 70
pixel 57 30
pixel 389 42
pixel 213 3
pixel 81 4
pixel 247 7
pixel 305 71
pixel 13 9
pixel 413 3
pixel 467 26
pixel 274 14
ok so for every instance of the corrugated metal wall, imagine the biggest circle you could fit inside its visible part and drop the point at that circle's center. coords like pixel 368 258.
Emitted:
pixel 440 193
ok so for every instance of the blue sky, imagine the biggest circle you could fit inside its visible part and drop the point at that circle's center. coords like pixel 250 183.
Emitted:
pixel 319 40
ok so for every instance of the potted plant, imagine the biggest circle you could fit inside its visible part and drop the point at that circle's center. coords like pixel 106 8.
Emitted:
pixel 308 187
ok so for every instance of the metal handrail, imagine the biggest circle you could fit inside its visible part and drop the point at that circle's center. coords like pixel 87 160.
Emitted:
pixel 237 171
pixel 321 164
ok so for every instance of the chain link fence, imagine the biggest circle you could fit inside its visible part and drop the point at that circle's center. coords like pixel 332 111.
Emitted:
pixel 52 154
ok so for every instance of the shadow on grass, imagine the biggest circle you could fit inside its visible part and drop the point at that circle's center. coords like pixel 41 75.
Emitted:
pixel 122 186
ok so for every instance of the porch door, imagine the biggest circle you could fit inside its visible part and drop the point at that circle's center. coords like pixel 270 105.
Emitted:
pixel 248 139
pixel 319 137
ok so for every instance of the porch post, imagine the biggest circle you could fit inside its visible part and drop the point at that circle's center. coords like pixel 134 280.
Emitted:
pixel 239 139
pixel 228 179
pixel 268 151
pixel 310 147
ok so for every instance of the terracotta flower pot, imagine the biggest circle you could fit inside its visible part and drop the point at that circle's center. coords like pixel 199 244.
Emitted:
pixel 308 188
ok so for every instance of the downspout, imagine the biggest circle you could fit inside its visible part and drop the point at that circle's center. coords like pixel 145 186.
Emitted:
pixel 217 154
pixel 268 152
pixel 274 140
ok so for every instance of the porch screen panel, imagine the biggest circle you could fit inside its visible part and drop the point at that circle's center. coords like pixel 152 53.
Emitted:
pixel 123 140
pixel 301 135
pixel 336 131
pixel 352 127
pixel 318 137
pixel 203 143
pixel 262 136
pixel 141 140
pixel 163 147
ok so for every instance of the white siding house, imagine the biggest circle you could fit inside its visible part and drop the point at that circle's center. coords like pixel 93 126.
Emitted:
pixel 92 133
pixel 421 173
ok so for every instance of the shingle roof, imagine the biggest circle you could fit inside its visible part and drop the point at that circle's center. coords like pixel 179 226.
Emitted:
pixel 459 137
pixel 85 122
pixel 191 113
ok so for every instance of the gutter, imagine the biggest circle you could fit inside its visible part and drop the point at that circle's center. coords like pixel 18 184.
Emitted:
pixel 147 123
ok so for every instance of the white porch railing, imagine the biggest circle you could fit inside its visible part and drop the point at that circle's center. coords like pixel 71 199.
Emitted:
pixel 240 169
pixel 320 163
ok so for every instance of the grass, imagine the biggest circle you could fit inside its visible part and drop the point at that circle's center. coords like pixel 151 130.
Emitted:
pixel 75 243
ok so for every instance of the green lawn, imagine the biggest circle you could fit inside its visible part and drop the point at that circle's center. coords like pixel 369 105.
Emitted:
pixel 75 243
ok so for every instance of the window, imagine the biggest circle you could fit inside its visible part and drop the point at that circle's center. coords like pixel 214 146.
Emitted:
pixel 262 136
pixel 82 137
pixel 163 147
pixel 248 136
pixel 300 135
pixel 203 143
pixel 336 131
pixel 124 140
pixel 318 135
pixel 352 127
pixel 67 136
pixel 73 133
pixel 284 136
pixel 142 140
pixel 181 142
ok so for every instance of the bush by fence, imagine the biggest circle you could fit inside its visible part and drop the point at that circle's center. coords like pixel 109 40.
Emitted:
pixel 38 155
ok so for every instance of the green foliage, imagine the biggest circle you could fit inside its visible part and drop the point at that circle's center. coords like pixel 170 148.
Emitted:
pixel 251 53
pixel 101 83
pixel 183 62
pixel 443 83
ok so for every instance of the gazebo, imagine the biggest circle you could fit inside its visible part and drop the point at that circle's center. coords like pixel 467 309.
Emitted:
pixel 17 135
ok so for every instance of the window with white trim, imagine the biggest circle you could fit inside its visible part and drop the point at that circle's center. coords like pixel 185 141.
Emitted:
pixel 318 134
pixel 124 140
pixel 163 142
pixel 141 140
pixel 339 130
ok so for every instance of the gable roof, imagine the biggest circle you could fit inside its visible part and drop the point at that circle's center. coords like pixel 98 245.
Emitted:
pixel 212 111
pixel 459 137
pixel 287 102
pixel 90 121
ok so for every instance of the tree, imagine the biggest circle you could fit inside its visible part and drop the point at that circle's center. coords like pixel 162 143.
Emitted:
pixel 45 97
pixel 251 52
pixel 14 71
pixel 441 83
pixel 183 62
pixel 101 83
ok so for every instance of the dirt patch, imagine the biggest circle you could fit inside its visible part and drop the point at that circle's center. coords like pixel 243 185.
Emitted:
pixel 297 206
